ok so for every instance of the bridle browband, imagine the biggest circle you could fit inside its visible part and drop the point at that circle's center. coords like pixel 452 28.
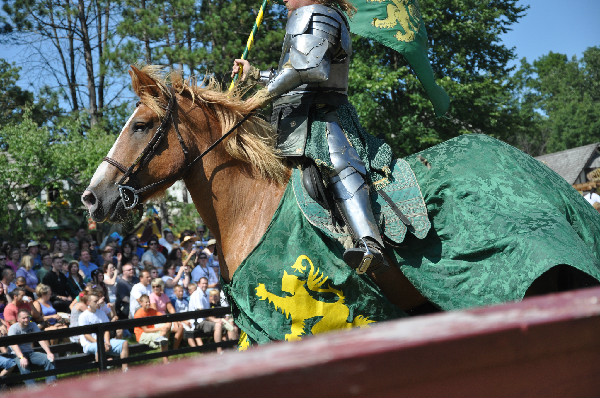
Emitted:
pixel 129 194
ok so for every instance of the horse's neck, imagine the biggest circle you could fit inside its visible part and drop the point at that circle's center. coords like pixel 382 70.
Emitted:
pixel 236 207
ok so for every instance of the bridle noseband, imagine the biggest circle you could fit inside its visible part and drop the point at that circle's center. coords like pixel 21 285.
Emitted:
pixel 129 194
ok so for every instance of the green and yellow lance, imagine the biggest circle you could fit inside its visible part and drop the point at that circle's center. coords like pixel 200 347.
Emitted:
pixel 250 41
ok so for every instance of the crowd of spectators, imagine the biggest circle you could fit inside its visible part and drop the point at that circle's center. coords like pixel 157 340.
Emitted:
pixel 70 282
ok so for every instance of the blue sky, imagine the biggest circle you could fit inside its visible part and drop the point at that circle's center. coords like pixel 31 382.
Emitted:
pixel 561 26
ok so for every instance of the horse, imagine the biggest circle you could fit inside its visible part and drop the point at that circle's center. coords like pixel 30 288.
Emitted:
pixel 226 156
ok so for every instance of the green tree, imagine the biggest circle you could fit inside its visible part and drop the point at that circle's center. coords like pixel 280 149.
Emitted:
pixel 563 96
pixel 466 54
pixel 69 42
pixel 44 170
pixel 198 37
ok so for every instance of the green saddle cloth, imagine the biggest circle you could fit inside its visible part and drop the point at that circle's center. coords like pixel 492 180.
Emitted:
pixel 402 188
pixel 499 220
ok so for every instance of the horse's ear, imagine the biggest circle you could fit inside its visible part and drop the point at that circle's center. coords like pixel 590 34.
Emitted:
pixel 143 84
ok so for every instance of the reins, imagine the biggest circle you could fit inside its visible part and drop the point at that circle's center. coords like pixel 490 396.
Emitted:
pixel 129 194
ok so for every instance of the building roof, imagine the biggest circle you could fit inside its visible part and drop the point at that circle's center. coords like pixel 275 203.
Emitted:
pixel 570 163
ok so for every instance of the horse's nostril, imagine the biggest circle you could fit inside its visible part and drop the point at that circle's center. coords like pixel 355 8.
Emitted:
pixel 88 198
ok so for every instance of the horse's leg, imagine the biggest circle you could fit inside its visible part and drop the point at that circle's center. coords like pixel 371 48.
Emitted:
pixel 559 279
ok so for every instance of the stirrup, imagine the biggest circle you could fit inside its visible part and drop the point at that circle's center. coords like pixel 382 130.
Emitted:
pixel 364 258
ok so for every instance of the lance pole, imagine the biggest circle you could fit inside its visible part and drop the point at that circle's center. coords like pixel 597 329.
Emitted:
pixel 250 41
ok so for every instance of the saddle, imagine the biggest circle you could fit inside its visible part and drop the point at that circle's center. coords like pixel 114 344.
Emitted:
pixel 398 207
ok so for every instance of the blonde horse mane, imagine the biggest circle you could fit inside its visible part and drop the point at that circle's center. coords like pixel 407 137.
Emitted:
pixel 253 142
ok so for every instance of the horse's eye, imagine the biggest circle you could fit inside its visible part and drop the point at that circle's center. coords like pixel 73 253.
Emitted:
pixel 139 127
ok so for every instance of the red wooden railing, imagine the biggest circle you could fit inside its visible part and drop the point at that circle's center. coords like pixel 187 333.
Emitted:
pixel 542 347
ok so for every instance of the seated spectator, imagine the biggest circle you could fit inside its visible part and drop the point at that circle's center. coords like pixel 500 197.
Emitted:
pixel 125 283
pixel 98 281
pixel 75 282
pixel 3 259
pixel 137 264
pixel 154 335
pixel 153 257
pixel 139 289
pixel 168 240
pixel 19 301
pixel 232 331
pixel 161 303
pixel 110 280
pixel 26 271
pixel 20 282
pixel 153 272
pixel 51 319
pixel 61 298
pixel 107 308
pixel 7 363
pixel 181 304
pixel 77 307
pixel 46 266
pixel 24 352
pixel 199 301
pixel 137 249
pixel 14 259
pixel 108 256
pixel 3 303
pixel 86 265
pixel 33 250
pixel 92 316
pixel 66 250
pixel 173 278
pixel 189 251
pixel 192 287
pixel 213 258
pixel 202 270
pixel 176 257
pixel 8 279
pixel 126 254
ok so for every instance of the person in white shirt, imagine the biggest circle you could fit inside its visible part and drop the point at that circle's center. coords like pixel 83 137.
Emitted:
pixel 168 240
pixel 92 316
pixel 199 301
pixel 592 197
pixel 139 289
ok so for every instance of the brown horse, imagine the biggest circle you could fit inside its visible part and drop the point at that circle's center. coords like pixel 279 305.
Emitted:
pixel 237 185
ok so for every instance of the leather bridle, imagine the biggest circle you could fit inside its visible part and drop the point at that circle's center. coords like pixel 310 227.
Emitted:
pixel 129 194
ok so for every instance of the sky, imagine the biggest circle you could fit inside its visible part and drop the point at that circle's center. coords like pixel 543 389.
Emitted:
pixel 561 26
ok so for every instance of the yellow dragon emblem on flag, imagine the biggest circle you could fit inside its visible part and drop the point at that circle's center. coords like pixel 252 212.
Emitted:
pixel 403 12
pixel 301 306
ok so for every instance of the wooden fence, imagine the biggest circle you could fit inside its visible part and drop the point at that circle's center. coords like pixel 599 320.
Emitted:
pixel 79 361
pixel 542 347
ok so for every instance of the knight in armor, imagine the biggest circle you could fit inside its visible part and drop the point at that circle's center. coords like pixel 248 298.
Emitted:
pixel 311 84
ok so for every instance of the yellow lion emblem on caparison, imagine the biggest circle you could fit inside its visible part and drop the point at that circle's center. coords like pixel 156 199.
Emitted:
pixel 301 306
pixel 403 12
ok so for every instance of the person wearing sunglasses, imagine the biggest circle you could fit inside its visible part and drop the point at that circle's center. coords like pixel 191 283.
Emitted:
pixel 153 257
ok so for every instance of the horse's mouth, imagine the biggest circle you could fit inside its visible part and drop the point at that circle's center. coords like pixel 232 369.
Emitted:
pixel 119 213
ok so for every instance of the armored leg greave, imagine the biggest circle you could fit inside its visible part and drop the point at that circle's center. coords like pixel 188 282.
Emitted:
pixel 351 190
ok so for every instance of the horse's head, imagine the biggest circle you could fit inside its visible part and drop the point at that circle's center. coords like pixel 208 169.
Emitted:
pixel 146 157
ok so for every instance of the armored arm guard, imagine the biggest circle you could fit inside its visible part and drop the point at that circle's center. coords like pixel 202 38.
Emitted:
pixel 316 39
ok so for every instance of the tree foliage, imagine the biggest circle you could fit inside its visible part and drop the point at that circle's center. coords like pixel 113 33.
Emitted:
pixel 563 97
pixel 467 55
pixel 44 170
pixel 197 37
pixel 83 48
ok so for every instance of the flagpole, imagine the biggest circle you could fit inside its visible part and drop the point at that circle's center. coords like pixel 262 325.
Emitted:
pixel 250 41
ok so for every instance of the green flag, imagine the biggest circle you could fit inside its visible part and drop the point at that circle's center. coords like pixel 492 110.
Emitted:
pixel 398 25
